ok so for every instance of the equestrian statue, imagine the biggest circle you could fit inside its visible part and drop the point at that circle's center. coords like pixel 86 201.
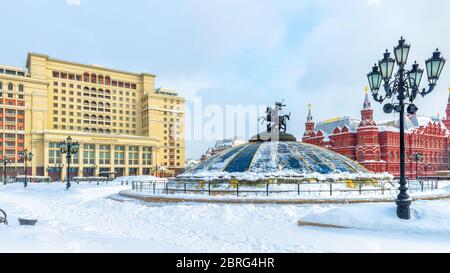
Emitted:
pixel 274 121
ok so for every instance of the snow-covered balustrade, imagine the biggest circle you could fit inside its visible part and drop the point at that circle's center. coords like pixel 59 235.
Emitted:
pixel 142 182
pixel 90 179
pixel 277 189
pixel 33 179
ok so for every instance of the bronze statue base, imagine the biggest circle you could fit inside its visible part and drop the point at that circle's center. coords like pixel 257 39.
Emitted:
pixel 272 136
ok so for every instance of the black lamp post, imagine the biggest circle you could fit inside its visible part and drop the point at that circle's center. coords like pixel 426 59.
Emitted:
pixel 426 165
pixel 25 157
pixel 405 88
pixel 94 168
pixel 60 167
pixel 6 161
pixel 48 175
pixel 69 148
pixel 416 158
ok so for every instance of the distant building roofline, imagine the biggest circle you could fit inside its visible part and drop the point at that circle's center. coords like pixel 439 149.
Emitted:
pixel 90 66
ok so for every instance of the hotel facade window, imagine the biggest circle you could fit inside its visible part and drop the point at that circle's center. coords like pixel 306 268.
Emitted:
pixel 119 155
pixel 105 154
pixel 133 156
pixel 88 154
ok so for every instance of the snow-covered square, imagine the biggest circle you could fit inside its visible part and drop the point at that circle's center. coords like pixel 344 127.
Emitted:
pixel 86 219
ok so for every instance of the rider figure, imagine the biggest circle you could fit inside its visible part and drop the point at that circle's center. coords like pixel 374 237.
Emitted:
pixel 275 122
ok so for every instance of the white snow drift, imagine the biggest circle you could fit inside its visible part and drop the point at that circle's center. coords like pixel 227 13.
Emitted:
pixel 84 219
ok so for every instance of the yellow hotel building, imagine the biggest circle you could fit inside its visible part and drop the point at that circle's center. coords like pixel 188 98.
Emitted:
pixel 123 124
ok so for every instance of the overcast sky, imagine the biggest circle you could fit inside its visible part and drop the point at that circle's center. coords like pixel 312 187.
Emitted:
pixel 248 52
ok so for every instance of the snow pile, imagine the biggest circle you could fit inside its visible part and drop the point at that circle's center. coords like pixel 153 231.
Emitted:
pixel 426 217
pixel 351 176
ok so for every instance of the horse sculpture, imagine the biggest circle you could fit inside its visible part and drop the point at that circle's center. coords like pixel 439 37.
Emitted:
pixel 282 122
pixel 274 121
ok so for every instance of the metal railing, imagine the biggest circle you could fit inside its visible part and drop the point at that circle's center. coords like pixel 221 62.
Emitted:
pixel 21 179
pixel 293 189
pixel 30 179
pixel 9 180
pixel 93 179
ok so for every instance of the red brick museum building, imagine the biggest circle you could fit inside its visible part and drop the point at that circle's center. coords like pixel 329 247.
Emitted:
pixel 375 145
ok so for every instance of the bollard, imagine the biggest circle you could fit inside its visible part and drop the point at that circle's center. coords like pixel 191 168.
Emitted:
pixel 267 189
pixel 298 188
pixel 331 189
pixel 185 188
pixel 237 189
pixel 360 188
pixel 209 188
pixel 154 188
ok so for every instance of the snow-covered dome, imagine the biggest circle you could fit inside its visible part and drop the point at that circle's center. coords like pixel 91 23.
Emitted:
pixel 263 160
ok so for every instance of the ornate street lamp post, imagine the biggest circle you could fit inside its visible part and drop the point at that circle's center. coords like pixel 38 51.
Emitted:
pixel 416 158
pixel 60 167
pixel 25 157
pixel 426 166
pixel 69 148
pixel 405 88
pixel 6 161
pixel 94 168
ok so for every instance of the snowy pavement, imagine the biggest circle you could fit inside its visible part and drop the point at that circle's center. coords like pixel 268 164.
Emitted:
pixel 84 219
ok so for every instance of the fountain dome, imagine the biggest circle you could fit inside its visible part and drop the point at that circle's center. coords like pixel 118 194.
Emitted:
pixel 276 156
pixel 282 160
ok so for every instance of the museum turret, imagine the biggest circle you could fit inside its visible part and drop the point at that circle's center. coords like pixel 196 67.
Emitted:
pixel 368 152
pixel 367 113
pixel 447 111
pixel 309 125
